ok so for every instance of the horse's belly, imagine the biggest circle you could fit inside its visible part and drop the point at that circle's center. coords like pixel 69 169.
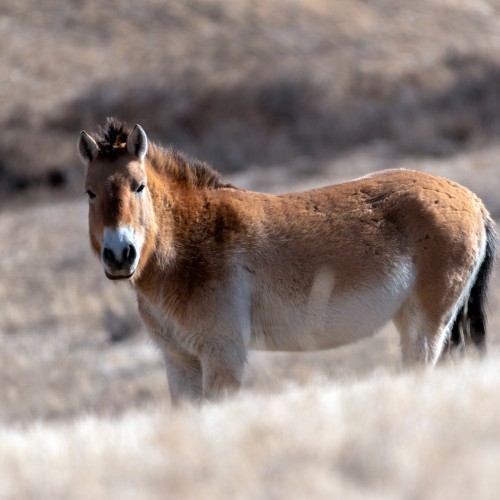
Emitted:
pixel 319 322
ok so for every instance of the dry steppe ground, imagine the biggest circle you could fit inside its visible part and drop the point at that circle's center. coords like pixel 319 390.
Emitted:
pixel 279 96
pixel 431 435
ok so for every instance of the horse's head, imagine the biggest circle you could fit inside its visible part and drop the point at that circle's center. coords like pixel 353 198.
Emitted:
pixel 120 207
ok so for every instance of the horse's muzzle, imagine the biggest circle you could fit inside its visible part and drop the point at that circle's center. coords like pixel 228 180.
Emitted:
pixel 119 254
pixel 119 265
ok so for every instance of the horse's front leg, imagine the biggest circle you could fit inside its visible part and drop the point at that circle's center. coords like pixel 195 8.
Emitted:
pixel 215 372
pixel 183 369
pixel 222 364
pixel 184 375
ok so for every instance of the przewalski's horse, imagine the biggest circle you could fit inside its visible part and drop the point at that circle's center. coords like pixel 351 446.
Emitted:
pixel 219 270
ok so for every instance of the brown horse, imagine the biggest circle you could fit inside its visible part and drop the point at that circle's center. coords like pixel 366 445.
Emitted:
pixel 218 270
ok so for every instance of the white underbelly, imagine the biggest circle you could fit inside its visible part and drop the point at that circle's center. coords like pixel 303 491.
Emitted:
pixel 325 319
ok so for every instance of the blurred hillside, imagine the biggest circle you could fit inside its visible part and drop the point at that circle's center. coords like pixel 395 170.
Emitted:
pixel 245 83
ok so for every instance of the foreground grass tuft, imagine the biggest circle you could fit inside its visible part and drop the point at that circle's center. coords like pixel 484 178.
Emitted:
pixel 431 434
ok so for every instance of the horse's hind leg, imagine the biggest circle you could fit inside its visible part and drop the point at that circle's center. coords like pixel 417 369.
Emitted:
pixel 425 320
pixel 422 337
pixel 443 282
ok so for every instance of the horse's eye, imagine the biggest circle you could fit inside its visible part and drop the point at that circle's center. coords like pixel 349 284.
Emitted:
pixel 91 195
pixel 140 189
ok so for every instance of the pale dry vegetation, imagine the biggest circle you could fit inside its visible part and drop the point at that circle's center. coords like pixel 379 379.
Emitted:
pixel 280 96
pixel 430 435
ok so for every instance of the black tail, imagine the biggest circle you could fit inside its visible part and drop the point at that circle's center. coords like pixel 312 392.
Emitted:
pixel 469 327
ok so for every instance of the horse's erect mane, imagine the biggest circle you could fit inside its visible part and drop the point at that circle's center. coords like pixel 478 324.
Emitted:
pixel 112 139
pixel 112 142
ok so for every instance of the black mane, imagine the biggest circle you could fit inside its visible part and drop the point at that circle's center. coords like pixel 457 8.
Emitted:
pixel 112 142
pixel 112 138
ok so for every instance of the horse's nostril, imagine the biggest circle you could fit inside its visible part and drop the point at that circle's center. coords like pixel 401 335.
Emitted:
pixel 129 254
pixel 108 255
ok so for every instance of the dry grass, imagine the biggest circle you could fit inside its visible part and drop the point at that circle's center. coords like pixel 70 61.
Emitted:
pixel 430 435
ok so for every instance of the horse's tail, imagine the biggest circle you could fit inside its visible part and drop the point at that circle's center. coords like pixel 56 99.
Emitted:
pixel 469 325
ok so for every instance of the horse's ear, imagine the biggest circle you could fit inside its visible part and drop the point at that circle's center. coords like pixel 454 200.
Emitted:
pixel 137 142
pixel 87 148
